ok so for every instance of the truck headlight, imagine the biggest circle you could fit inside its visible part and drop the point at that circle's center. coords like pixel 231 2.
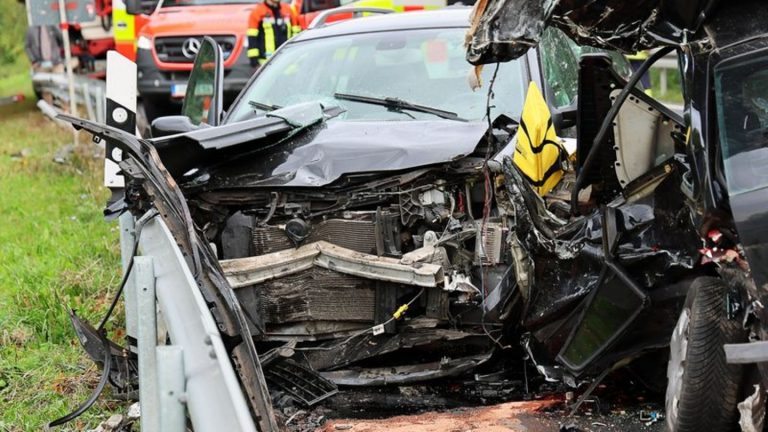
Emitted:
pixel 144 43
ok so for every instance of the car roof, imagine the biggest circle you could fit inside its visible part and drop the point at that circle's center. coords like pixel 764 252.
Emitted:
pixel 453 16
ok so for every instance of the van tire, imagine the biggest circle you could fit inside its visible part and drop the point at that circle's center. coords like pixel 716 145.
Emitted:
pixel 702 389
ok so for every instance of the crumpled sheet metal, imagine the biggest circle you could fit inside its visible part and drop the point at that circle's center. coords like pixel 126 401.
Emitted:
pixel 409 374
pixel 502 30
pixel 330 150
pixel 613 24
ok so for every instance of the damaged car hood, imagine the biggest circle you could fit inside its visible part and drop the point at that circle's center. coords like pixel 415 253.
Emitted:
pixel 323 153
pixel 503 30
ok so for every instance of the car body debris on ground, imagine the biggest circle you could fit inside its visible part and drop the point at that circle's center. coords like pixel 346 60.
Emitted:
pixel 380 225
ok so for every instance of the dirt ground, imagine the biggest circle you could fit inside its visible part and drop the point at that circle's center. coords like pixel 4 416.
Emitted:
pixel 524 416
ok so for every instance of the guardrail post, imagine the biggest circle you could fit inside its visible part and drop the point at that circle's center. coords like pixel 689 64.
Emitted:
pixel 144 282
pixel 171 385
pixel 88 102
pixel 127 241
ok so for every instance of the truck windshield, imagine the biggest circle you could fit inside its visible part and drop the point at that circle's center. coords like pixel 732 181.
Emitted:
pixel 424 67
pixel 742 106
pixel 173 3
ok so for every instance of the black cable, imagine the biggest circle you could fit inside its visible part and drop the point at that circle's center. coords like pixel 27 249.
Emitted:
pixel 608 122
pixel 138 227
pixel 96 392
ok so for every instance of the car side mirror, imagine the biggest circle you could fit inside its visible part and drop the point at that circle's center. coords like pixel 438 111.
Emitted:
pixel 203 102
pixel 171 125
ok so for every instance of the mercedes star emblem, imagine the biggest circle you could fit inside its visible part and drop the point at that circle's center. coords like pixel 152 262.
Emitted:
pixel 190 47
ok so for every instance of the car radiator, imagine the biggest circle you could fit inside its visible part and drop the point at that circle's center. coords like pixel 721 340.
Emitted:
pixel 317 294
pixel 358 235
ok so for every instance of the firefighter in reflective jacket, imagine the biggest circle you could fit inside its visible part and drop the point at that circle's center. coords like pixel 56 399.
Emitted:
pixel 270 24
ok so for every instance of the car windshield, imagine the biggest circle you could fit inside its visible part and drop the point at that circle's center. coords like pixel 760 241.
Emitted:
pixel 422 67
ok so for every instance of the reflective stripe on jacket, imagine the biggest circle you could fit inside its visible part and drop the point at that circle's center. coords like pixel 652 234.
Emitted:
pixel 267 32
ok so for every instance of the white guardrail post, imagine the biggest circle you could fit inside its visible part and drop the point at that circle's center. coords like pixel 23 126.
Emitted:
pixel 170 373
pixel 146 313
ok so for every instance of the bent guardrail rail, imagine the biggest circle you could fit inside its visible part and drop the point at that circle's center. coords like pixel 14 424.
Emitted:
pixel 193 376
pixel 89 92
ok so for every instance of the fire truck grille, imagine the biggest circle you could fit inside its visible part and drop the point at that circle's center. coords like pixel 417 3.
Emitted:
pixel 176 49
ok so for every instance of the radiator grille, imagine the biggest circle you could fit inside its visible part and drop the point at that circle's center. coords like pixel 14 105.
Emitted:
pixel 170 49
pixel 318 294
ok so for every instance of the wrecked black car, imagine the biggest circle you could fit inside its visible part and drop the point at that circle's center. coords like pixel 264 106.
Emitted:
pixel 718 345
pixel 378 222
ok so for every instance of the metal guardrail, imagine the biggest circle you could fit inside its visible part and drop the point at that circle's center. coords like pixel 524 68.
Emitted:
pixel 194 374
pixel 88 92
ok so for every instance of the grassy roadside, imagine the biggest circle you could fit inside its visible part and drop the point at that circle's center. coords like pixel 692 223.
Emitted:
pixel 55 252
pixel 674 93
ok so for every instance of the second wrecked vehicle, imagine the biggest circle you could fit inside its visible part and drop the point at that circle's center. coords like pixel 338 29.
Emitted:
pixel 379 223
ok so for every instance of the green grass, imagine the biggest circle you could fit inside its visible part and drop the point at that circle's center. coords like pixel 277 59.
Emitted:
pixel 55 252
pixel 13 22
pixel 674 91
pixel 15 79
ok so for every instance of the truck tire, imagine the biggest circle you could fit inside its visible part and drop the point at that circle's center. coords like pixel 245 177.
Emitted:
pixel 702 389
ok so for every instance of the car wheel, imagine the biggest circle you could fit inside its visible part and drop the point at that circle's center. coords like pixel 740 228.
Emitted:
pixel 702 389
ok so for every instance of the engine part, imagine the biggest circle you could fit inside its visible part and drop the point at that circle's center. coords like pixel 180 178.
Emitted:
pixel 488 250
pixel 355 234
pixel 297 230
pixel 304 384
pixel 317 294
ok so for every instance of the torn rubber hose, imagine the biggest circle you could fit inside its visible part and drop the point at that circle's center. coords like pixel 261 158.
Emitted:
pixel 608 122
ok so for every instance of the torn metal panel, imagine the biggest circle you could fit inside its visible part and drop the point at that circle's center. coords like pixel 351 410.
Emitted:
pixel 651 243
pixel 752 411
pixel 253 270
pixel 406 374
pixel 504 29
pixel 333 356
pixel 642 132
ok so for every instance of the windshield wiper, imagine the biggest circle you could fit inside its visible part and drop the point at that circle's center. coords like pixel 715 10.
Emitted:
pixel 399 104
pixel 263 106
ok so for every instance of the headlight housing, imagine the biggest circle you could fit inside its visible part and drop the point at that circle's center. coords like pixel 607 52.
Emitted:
pixel 144 43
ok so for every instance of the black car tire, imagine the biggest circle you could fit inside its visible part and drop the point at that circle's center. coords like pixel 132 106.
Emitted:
pixel 702 389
